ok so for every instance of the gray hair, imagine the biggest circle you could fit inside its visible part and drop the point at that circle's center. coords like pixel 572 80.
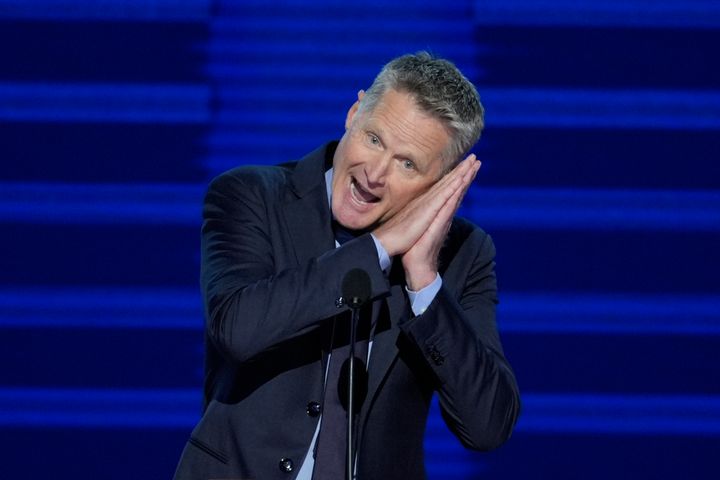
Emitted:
pixel 440 90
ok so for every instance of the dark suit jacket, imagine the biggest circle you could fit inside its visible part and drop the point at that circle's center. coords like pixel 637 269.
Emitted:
pixel 271 275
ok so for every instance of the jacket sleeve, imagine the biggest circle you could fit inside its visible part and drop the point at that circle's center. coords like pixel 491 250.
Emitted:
pixel 458 337
pixel 250 306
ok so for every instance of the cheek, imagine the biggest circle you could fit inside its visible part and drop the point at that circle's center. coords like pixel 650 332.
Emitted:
pixel 407 193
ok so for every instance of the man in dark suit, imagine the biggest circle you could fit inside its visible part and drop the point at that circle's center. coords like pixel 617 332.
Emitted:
pixel 276 244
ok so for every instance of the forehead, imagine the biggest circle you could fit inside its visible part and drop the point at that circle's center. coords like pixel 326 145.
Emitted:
pixel 403 124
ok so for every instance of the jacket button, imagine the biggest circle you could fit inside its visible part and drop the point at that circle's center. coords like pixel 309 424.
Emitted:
pixel 339 302
pixel 286 465
pixel 436 357
pixel 313 409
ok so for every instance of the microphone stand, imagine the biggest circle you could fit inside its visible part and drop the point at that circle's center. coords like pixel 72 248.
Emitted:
pixel 351 391
pixel 356 289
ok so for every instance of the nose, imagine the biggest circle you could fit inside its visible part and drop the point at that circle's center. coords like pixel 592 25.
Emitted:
pixel 376 170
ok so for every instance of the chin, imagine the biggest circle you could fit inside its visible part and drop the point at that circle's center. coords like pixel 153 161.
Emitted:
pixel 357 224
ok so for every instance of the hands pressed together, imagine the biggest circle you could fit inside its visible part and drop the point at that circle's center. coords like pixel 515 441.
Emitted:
pixel 418 231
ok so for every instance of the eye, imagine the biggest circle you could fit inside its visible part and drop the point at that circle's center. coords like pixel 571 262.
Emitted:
pixel 408 164
pixel 373 139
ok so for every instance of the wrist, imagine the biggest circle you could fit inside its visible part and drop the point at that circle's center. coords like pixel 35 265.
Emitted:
pixel 417 279
pixel 382 238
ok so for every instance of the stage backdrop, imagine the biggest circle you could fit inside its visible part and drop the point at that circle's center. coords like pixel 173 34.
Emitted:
pixel 600 185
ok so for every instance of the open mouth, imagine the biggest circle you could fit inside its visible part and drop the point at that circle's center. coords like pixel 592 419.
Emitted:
pixel 361 195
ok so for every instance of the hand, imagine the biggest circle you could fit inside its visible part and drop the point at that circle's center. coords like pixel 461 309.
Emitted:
pixel 420 261
pixel 422 225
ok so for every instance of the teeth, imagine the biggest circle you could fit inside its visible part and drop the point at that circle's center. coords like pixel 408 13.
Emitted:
pixel 355 194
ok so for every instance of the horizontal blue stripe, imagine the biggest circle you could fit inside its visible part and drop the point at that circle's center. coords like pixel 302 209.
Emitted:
pixel 492 208
pixel 102 204
pixel 297 52
pixel 159 308
pixel 609 314
pixel 542 413
pixel 511 107
pixel 257 152
pixel 630 13
pixel 449 468
pixel 99 408
pixel 271 50
pixel 312 74
pixel 367 9
pixel 616 414
pixel 136 10
pixel 612 414
pixel 518 312
pixel 657 210
pixel 617 109
pixel 105 103
pixel 433 30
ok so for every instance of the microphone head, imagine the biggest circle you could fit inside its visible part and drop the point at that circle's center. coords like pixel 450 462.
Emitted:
pixel 356 287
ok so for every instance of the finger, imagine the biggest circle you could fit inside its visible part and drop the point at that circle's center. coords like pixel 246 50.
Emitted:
pixel 467 169
pixel 468 180
pixel 455 178
pixel 443 189
pixel 458 170
pixel 470 176
pixel 463 166
pixel 438 228
pixel 445 214
pixel 453 192
pixel 441 221
pixel 457 199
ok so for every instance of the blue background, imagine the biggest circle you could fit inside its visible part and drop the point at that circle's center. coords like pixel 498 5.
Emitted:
pixel 600 185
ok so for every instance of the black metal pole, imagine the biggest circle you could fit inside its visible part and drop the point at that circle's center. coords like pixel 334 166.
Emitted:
pixel 351 395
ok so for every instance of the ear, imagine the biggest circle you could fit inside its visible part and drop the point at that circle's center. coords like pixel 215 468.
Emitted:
pixel 353 110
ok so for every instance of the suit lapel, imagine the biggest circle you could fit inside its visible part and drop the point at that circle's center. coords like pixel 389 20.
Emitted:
pixel 307 213
pixel 310 233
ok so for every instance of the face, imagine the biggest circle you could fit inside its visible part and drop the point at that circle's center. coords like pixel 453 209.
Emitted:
pixel 386 158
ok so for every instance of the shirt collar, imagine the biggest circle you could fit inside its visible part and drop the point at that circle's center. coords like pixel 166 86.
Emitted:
pixel 328 187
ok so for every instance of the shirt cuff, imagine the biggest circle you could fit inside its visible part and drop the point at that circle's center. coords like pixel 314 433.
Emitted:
pixel 421 300
pixel 383 256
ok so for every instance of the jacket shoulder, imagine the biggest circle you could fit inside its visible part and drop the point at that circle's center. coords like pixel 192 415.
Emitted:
pixel 463 230
pixel 266 181
pixel 465 242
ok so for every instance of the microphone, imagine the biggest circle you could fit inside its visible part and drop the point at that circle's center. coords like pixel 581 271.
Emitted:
pixel 356 288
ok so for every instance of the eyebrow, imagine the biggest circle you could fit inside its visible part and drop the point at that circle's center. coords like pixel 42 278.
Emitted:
pixel 382 136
